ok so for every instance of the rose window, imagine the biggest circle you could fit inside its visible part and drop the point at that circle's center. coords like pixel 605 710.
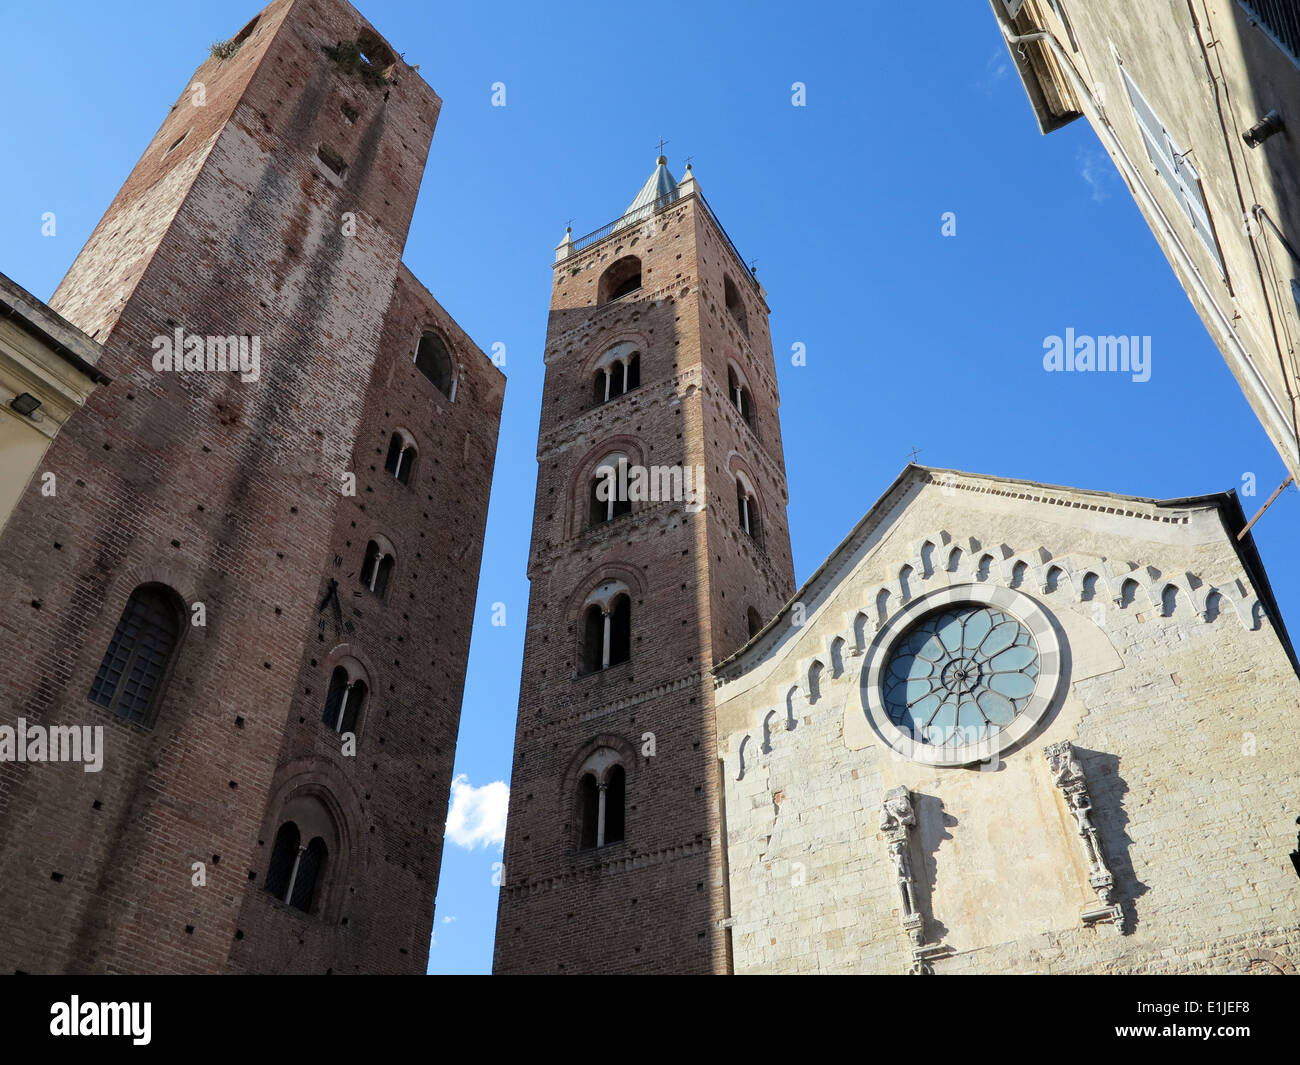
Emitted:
pixel 960 676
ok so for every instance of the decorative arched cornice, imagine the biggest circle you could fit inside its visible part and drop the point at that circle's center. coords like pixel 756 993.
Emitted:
pixel 1079 575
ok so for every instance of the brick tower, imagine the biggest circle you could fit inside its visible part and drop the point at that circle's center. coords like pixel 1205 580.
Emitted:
pixel 260 585
pixel 658 360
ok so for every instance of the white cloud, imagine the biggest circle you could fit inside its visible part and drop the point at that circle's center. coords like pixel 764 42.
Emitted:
pixel 477 817
pixel 997 68
pixel 448 919
pixel 1095 169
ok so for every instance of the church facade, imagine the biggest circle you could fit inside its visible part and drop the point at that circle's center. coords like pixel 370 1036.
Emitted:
pixel 1011 727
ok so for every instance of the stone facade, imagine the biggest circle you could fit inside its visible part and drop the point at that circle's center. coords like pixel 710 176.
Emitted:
pixel 46 360
pixel 1142 825
pixel 274 202
pixel 1209 71
pixel 653 901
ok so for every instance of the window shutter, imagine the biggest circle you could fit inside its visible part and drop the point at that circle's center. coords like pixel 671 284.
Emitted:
pixel 1174 167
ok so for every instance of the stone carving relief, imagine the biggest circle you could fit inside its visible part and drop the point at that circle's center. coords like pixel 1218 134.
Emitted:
pixel 1068 775
pixel 897 818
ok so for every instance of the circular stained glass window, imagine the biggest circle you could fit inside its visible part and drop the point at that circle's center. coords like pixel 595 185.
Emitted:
pixel 960 676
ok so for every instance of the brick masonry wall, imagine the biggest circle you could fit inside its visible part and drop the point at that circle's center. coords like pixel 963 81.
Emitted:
pixel 1181 722
pixel 651 903
pixel 230 493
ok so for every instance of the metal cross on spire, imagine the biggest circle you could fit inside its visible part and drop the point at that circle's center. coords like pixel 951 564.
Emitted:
pixel 915 451
pixel 662 142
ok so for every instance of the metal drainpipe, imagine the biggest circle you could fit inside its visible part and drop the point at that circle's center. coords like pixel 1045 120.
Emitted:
pixel 1135 179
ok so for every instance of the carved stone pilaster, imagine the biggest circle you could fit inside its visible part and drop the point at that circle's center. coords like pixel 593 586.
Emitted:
pixel 896 821
pixel 1067 774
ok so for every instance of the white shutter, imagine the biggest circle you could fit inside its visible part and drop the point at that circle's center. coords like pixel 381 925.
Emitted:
pixel 1174 167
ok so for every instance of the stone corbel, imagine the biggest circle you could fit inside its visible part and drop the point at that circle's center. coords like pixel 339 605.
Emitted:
pixel 1067 774
pixel 896 821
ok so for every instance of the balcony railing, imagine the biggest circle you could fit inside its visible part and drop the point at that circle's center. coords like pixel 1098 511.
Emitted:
pixel 1280 19
pixel 641 214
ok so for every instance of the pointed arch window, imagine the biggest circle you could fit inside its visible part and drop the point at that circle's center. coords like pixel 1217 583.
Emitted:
pixel 130 676
pixel 401 457
pixel 753 621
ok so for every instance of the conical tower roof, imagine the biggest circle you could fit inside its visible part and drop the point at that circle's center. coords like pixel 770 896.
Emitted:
pixel 660 189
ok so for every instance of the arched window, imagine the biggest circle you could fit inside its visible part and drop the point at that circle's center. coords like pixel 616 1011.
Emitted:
pixel 588 810
pixel 284 856
pixel 434 361
pixel 735 305
pixel 620 278
pixel 295 871
pixel 747 510
pixel 617 372
pixel 609 493
pixel 615 794
pixel 606 627
pixel 754 621
pixel 311 867
pixel 738 393
pixel 307 836
pixel 130 676
pixel 346 697
pixel 602 799
pixel 401 457
pixel 377 567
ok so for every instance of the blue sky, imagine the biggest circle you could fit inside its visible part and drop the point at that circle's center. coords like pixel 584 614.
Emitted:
pixel 913 339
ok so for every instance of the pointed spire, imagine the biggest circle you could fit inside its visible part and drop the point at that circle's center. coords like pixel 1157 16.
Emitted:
pixel 688 184
pixel 565 248
pixel 660 189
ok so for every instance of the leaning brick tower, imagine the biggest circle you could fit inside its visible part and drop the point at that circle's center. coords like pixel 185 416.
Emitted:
pixel 260 586
pixel 658 359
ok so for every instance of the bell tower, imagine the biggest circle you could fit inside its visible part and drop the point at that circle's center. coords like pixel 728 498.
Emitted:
pixel 659 547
